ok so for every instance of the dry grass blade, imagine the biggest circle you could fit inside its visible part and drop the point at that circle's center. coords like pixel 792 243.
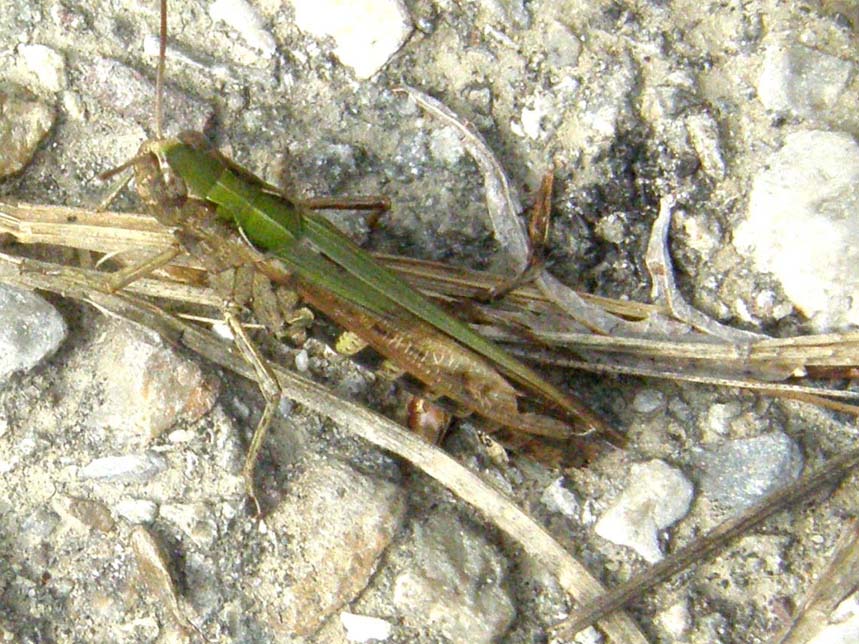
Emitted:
pixel 840 578
pixel 694 357
pixel 383 433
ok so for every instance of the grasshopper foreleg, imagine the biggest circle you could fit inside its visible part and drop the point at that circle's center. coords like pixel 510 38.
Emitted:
pixel 123 277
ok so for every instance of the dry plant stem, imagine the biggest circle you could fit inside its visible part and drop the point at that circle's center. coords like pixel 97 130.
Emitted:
pixel 821 396
pixel 701 358
pixel 503 211
pixel 665 288
pixel 839 579
pixel 708 545
pixel 385 434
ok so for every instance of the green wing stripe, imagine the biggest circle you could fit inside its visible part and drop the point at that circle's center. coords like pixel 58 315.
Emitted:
pixel 279 227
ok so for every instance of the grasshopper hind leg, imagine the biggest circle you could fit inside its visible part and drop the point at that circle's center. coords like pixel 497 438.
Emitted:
pixel 271 391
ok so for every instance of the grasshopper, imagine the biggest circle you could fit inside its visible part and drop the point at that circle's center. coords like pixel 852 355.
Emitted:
pixel 229 220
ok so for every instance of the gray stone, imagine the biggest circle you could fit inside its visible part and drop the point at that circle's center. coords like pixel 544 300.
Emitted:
pixel 738 473
pixel 30 330
pixel 126 92
pixel 331 529
pixel 454 583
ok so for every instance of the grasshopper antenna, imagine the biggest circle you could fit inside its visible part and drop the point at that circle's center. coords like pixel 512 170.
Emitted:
pixel 159 91
pixel 159 76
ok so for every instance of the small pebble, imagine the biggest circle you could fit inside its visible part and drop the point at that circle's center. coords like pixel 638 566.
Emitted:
pixel 563 47
pixel 657 495
pixel 738 473
pixel 446 146
pixel 363 628
pixel 30 330
pixel 302 361
pixel 244 18
pixel 366 33
pixel 589 635
pixel 194 519
pixel 704 134
pixel 801 80
pixel 557 498
pixel 137 468
pixel 92 514
pixel 38 526
pixel 675 620
pixel 647 401
pixel 136 510
pixel 719 417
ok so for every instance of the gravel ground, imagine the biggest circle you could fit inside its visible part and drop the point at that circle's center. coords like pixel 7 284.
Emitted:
pixel 743 111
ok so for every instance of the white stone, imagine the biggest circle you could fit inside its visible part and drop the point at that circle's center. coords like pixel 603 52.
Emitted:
pixel 363 628
pixel 243 17
pixel 557 498
pixel 136 510
pixel 676 620
pixel 846 632
pixel 657 496
pixel 366 33
pixel 801 225
pixel 45 65
pixel 589 635
pixel 537 108
pixel 129 467
pixel 302 361
pixel 801 80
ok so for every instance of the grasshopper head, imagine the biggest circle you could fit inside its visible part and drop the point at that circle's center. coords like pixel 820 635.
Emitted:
pixel 160 187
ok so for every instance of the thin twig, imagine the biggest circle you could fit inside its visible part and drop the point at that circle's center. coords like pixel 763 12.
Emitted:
pixel 839 579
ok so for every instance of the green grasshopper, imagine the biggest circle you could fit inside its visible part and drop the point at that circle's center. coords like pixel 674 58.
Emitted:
pixel 227 218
